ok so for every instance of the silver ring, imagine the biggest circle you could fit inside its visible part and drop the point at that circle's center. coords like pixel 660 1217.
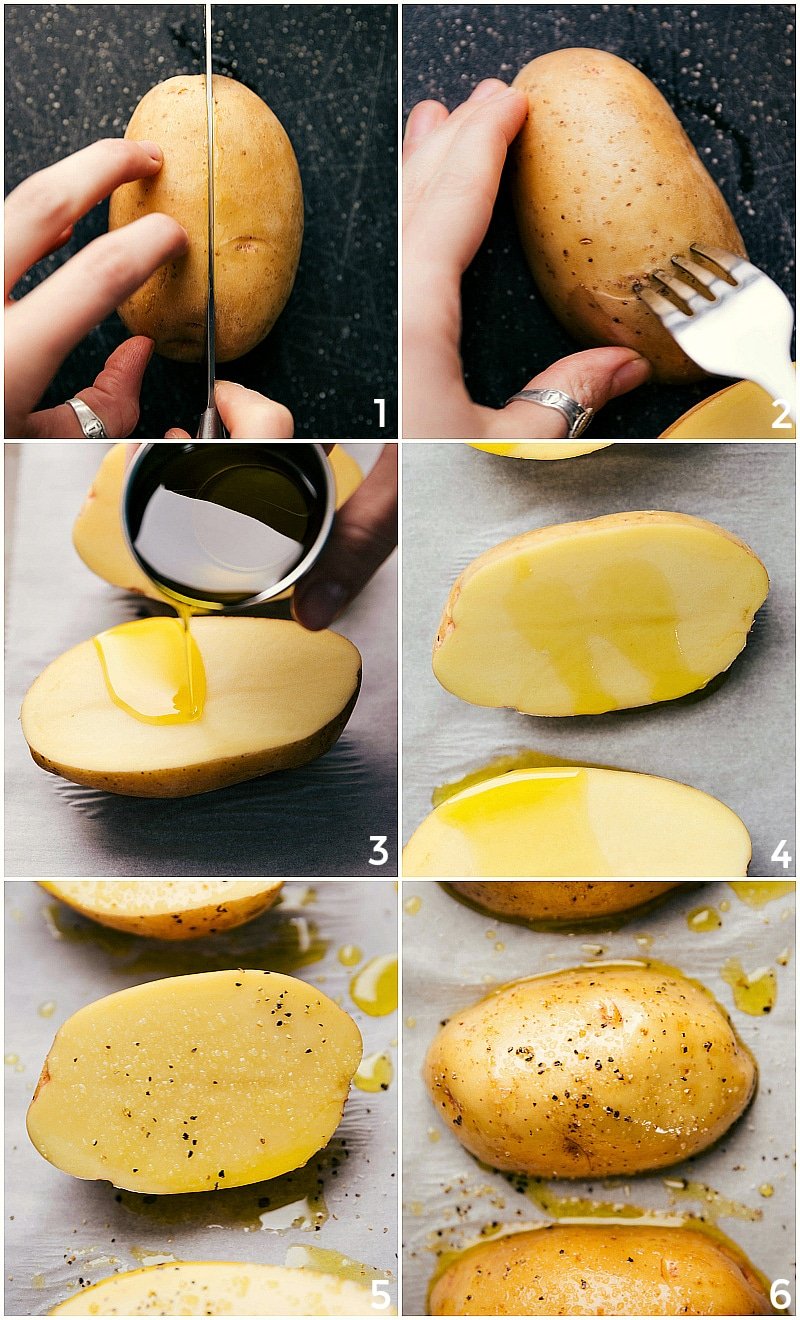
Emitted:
pixel 88 421
pixel 577 417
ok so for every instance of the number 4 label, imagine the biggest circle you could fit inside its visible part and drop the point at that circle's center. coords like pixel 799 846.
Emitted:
pixel 381 1300
pixel 781 855
pixel 381 855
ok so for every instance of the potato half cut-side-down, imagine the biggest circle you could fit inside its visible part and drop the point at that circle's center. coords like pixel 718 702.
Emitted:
pixel 195 1083
pixel 542 449
pixel 277 696
pixel 223 1288
pixel 167 909
pixel 587 617
pixel 574 821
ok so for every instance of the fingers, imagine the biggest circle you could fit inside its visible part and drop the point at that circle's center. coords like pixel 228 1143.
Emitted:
pixel 591 378
pixel 50 320
pixel 251 416
pixel 424 118
pixel 47 203
pixel 114 397
pixel 364 534
pixel 177 434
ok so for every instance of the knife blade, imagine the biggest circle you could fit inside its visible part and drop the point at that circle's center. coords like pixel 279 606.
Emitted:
pixel 210 427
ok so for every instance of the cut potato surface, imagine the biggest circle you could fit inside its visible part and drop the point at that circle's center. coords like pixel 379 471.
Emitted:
pixel 590 1072
pixel 222 1288
pixel 740 412
pixel 571 900
pixel 570 821
pixel 587 617
pixel 196 1082
pixel 542 449
pixel 97 532
pixel 167 909
pixel 277 696
pixel 587 1269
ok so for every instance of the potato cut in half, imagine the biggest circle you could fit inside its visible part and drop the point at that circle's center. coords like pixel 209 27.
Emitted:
pixel 593 1269
pixel 571 900
pixel 587 617
pixel 97 531
pixel 195 1083
pixel 542 448
pixel 739 412
pixel 222 1288
pixel 167 909
pixel 277 696
pixel 571 821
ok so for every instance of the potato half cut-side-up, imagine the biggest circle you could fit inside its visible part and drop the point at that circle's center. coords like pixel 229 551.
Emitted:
pixel 571 821
pixel 97 531
pixel 541 448
pixel 277 697
pixel 195 1083
pixel 587 617
pixel 167 909
pixel 223 1288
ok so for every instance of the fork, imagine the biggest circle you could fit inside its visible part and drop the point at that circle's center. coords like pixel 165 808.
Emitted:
pixel 728 317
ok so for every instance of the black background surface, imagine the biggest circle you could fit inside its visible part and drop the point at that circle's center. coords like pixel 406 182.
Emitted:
pixel 728 73
pixel 75 73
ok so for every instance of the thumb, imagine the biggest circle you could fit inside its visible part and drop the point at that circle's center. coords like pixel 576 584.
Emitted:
pixel 114 397
pixel 364 533
pixel 590 378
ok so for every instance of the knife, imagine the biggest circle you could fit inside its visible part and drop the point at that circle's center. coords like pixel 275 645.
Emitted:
pixel 210 427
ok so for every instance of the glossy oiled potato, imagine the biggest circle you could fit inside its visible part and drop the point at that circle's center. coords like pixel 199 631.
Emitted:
pixel 608 188
pixel 594 1071
pixel 559 900
pixel 583 1269
pixel 258 208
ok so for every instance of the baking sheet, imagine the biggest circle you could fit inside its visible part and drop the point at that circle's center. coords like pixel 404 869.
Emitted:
pixel 60 1229
pixel 308 822
pixel 735 740
pixel 453 956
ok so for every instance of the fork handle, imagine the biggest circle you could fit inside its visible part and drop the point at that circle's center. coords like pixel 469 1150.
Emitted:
pixel 780 384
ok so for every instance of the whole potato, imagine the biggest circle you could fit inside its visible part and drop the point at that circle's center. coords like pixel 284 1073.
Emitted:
pixel 607 189
pixel 564 900
pixel 590 1072
pixel 586 1269
pixel 258 226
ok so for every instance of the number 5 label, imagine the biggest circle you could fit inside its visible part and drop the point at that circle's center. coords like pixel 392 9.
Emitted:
pixel 381 1300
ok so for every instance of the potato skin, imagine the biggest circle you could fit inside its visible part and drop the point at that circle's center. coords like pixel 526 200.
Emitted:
pixel 167 909
pixel 258 217
pixel 607 189
pixel 582 1269
pixel 565 900
pixel 590 1072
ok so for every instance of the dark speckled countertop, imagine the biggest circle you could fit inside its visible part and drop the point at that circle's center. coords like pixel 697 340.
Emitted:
pixel 75 73
pixel 727 71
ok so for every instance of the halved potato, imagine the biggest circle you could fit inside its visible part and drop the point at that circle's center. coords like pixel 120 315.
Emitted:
pixel 587 617
pixel 739 412
pixel 167 909
pixel 97 531
pixel 571 821
pixel 222 1288
pixel 277 696
pixel 195 1083
pixel 542 448
pixel 570 900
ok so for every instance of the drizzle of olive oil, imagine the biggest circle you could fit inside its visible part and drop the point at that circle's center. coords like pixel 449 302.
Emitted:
pixel 527 759
pixel 766 1190
pixel 47 1009
pixel 715 1205
pixel 757 893
pixel 703 919
pixel 153 669
pixel 412 905
pixel 147 1257
pixel 753 992
pixel 375 1073
pixel 349 955
pixel 331 1262
pixel 374 988
pixel 541 1193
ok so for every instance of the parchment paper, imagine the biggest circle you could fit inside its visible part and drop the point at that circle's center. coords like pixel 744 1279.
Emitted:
pixel 735 740
pixel 313 821
pixel 454 956
pixel 60 1229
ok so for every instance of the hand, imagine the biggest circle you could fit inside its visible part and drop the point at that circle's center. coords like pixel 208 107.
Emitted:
pixel 247 415
pixel 42 328
pixel 364 533
pixel 451 173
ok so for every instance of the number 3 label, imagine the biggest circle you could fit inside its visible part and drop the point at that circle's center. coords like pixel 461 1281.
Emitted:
pixel 381 855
